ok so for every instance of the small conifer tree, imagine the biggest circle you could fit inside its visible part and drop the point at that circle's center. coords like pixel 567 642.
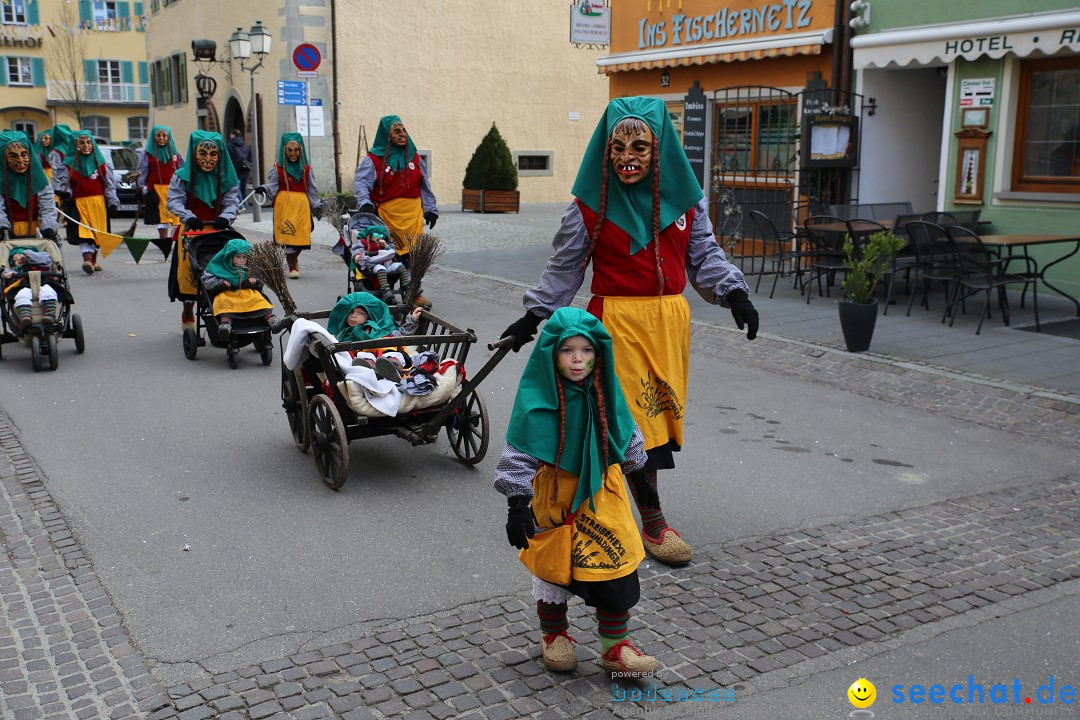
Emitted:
pixel 492 166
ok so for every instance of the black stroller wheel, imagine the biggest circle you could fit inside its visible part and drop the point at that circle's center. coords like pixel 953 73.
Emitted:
pixel 191 344
pixel 267 355
pixel 35 353
pixel 54 352
pixel 233 357
pixel 77 332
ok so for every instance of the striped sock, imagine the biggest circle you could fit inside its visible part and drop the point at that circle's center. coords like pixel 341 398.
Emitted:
pixel 613 627
pixel 652 519
pixel 384 283
pixel 552 617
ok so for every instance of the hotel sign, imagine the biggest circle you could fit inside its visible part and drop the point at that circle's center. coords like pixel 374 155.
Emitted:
pixel 783 16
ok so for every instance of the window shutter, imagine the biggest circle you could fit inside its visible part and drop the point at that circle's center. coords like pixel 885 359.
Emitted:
pixel 142 73
pixel 137 10
pixel 37 70
pixel 126 72
pixel 123 15
pixel 182 79
pixel 3 70
pixel 86 12
pixel 154 97
pixel 32 15
pixel 90 69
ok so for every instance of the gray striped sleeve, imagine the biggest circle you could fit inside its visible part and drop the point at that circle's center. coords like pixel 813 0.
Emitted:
pixel 515 471
pixel 564 274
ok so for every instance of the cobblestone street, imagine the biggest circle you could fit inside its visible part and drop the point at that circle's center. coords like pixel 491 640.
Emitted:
pixel 739 615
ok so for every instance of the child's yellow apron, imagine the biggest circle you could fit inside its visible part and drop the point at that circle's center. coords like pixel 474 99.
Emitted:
pixel 292 218
pixel 605 543
pixel 185 281
pixel 92 212
pixel 240 301
pixel 404 218
pixel 650 339
pixel 164 216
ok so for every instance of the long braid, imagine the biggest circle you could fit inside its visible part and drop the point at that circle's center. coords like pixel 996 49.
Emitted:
pixel 656 214
pixel 602 407
pixel 562 435
pixel 601 213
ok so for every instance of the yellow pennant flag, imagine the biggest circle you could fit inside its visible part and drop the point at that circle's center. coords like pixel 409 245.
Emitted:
pixel 108 242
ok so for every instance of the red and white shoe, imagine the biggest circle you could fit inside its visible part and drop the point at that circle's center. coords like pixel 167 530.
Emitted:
pixel 626 659
pixel 669 548
pixel 557 650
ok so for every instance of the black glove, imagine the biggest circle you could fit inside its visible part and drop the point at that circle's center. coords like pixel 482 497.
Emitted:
pixel 524 330
pixel 366 208
pixel 519 521
pixel 645 492
pixel 4 232
pixel 111 211
pixel 430 218
pixel 317 212
pixel 261 190
pixel 139 192
pixel 744 312
pixel 45 233
pixel 193 223
pixel 63 194
pixel 223 224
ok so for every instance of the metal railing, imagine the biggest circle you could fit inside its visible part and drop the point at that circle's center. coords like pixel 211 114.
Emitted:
pixel 60 91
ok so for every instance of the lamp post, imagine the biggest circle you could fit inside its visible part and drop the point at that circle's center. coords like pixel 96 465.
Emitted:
pixel 242 45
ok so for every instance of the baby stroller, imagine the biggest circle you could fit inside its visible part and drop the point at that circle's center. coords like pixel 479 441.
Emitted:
pixel 247 328
pixel 41 337
pixel 358 280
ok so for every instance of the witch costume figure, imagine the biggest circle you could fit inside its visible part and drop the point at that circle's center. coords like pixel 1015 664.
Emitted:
pixel 88 194
pixel 203 192
pixel 42 148
pixel 28 206
pixel 157 164
pixel 646 233
pixel 570 439
pixel 291 185
pixel 393 180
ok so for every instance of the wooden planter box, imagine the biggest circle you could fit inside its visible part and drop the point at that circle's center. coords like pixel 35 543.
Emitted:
pixel 486 201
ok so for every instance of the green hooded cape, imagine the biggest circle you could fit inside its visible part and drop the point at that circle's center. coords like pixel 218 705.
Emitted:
pixel 162 153
pixel 399 156
pixel 39 148
pixel 221 265
pixel 206 186
pixel 534 422
pixel 294 169
pixel 375 230
pixel 17 250
pixel 20 186
pixel 379 323
pixel 62 139
pixel 85 165
pixel 630 206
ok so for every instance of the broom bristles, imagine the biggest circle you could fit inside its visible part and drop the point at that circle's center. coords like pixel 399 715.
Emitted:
pixel 267 262
pixel 425 251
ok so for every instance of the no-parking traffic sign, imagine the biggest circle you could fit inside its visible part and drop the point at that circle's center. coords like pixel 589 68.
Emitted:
pixel 306 57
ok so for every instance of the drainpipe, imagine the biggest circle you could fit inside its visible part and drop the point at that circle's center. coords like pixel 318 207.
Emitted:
pixel 838 48
pixel 337 104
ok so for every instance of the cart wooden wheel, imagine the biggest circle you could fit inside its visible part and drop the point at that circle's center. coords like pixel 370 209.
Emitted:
pixel 294 401
pixel 54 351
pixel 468 430
pixel 329 445
pixel 35 353
pixel 77 332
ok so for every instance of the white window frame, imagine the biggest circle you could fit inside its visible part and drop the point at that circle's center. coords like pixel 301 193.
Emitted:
pixel 27 126
pixel 549 155
pixel 14 12
pixel 109 76
pixel 105 12
pixel 90 122
pixel 145 129
pixel 24 68
pixel 425 155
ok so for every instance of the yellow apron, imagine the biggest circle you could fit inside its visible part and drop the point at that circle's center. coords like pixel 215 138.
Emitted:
pixel 92 212
pixel 164 216
pixel 650 339
pixel 240 301
pixel 404 218
pixel 185 281
pixel 292 219
pixel 24 229
pixel 606 544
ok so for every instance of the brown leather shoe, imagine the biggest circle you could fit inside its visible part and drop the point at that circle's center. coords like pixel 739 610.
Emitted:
pixel 669 548
pixel 558 652
pixel 626 659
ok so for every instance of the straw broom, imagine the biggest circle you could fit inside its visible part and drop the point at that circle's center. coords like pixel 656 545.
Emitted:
pixel 267 262
pixel 426 250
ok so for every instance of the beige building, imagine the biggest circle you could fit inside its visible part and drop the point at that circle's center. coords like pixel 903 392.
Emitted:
pixel 78 62
pixel 448 69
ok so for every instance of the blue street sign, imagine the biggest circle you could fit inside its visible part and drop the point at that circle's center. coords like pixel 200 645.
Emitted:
pixel 291 93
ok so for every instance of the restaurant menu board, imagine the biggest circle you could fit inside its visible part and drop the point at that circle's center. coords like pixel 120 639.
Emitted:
pixel 694 130
pixel 830 134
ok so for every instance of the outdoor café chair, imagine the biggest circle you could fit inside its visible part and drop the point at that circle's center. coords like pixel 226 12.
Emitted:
pixel 981 271
pixel 825 246
pixel 935 261
pixel 781 255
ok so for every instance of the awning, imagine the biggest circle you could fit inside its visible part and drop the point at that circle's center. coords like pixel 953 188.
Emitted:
pixel 1020 35
pixel 765 47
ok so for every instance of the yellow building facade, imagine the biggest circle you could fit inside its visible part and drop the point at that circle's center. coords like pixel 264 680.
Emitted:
pixel 448 69
pixel 78 62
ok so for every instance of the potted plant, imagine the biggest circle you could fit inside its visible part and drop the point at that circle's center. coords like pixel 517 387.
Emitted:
pixel 491 178
pixel 865 264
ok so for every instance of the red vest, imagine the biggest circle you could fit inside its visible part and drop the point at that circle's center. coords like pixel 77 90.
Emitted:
pixel 289 183
pixel 159 173
pixel 201 210
pixel 82 186
pixel 617 272
pixel 17 213
pixel 390 185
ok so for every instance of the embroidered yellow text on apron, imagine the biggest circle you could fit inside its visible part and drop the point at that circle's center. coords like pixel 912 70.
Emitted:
pixel 404 218
pixel 650 339
pixel 292 218
pixel 240 301
pixel 92 212
pixel 606 544
pixel 164 216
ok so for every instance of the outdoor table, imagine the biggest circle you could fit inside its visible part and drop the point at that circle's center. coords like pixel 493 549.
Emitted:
pixel 1026 240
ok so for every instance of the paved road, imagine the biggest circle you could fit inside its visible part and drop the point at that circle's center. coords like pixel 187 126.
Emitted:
pixel 146 453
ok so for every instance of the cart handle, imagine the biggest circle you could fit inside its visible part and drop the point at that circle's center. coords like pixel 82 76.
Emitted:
pixel 501 343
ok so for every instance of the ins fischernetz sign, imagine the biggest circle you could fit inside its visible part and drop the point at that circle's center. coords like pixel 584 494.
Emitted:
pixel 590 22
pixel 725 24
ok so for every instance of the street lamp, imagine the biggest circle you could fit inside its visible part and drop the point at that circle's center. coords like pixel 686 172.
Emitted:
pixel 242 45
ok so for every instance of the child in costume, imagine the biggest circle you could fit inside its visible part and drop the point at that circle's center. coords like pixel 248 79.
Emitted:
pixel 647 234
pixel 157 164
pixel 291 185
pixel 29 205
pixel 20 261
pixel 233 290
pixel 393 181
pixel 203 191
pixel 362 316
pixel 89 193
pixel 375 255
pixel 570 440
